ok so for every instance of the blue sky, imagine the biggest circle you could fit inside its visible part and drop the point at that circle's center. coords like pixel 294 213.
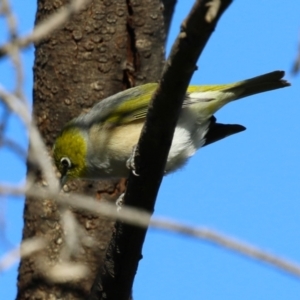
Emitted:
pixel 246 186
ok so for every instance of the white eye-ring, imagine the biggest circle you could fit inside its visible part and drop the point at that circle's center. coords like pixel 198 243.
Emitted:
pixel 66 163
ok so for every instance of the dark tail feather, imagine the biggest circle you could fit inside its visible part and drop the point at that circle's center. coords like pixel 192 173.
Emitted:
pixel 218 131
pixel 263 83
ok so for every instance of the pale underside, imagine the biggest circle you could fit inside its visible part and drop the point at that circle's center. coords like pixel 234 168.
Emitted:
pixel 110 152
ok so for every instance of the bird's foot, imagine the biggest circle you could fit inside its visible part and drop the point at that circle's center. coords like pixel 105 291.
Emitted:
pixel 130 163
pixel 120 202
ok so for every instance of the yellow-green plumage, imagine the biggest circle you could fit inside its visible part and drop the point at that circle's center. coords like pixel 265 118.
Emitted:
pixel 75 150
pixel 97 144
pixel 134 109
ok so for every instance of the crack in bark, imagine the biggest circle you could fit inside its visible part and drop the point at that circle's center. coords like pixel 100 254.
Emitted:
pixel 132 60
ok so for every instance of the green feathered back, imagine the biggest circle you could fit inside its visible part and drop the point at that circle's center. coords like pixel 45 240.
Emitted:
pixel 132 104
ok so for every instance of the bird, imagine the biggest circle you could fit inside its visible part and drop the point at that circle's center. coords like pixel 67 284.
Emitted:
pixel 97 144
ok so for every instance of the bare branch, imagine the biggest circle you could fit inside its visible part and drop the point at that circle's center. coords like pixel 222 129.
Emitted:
pixel 124 251
pixel 39 150
pixel 45 27
pixel 14 50
pixel 169 7
pixel 66 272
pixel 27 248
pixel 134 216
pixel 13 146
pixel 225 241
pixel 141 218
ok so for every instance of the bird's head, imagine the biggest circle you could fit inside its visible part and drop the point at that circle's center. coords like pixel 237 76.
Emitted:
pixel 69 152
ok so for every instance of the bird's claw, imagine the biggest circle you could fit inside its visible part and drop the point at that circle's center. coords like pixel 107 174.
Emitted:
pixel 120 202
pixel 130 163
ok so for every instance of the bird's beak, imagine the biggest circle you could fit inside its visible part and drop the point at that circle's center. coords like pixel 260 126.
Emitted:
pixel 63 180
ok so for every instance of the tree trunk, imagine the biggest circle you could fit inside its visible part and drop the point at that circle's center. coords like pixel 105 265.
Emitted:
pixel 109 46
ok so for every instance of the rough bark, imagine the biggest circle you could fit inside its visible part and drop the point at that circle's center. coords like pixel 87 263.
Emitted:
pixel 109 46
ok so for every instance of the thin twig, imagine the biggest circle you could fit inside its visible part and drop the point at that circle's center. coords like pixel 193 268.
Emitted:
pixel 28 247
pixel 230 243
pixel 296 65
pixel 141 218
pixel 38 148
pixel 13 146
pixel 46 26
pixel 14 51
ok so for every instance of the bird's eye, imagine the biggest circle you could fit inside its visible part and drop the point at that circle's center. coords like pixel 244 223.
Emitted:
pixel 66 163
